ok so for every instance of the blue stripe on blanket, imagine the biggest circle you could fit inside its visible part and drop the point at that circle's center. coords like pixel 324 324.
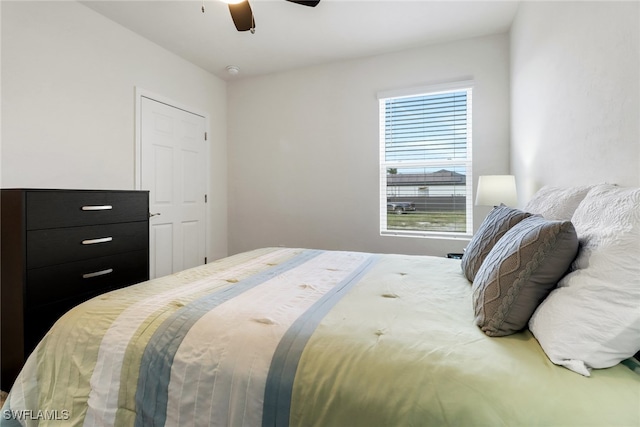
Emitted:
pixel 155 366
pixel 10 417
pixel 279 386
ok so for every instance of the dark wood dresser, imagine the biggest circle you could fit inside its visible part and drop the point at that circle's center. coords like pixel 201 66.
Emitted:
pixel 60 248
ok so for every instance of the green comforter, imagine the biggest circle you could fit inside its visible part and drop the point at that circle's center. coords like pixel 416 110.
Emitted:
pixel 279 337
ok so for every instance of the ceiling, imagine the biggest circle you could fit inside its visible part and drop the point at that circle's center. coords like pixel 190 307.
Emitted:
pixel 291 36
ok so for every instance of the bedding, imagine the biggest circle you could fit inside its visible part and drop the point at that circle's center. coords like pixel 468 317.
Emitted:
pixel 592 319
pixel 498 222
pixel 300 337
pixel 557 203
pixel 520 271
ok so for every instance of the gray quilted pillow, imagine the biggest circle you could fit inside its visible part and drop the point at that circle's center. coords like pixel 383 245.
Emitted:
pixel 498 222
pixel 519 273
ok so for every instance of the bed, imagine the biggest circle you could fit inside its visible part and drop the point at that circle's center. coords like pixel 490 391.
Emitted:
pixel 305 337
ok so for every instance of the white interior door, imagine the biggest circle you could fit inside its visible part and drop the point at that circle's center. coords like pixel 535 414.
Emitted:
pixel 173 169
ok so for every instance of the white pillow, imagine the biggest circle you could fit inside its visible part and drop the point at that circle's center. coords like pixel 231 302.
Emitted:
pixel 592 320
pixel 557 203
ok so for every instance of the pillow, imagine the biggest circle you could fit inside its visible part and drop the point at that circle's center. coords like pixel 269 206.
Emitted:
pixel 592 320
pixel 557 203
pixel 520 271
pixel 499 220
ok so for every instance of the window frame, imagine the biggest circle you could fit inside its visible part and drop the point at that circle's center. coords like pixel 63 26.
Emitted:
pixel 467 163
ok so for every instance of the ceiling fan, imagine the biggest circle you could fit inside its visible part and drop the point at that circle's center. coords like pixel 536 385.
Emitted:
pixel 243 16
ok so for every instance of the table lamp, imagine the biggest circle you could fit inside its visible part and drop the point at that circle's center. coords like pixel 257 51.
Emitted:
pixel 496 189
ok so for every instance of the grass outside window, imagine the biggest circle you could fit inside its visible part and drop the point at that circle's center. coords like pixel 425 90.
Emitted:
pixel 427 221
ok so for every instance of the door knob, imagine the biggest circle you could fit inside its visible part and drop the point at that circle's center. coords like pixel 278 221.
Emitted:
pixel 153 214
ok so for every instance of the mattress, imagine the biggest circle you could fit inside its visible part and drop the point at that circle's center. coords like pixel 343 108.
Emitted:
pixel 300 337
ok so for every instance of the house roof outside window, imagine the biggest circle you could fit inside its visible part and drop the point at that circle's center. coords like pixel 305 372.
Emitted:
pixel 441 177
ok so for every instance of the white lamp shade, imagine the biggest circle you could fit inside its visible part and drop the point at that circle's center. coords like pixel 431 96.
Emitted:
pixel 496 189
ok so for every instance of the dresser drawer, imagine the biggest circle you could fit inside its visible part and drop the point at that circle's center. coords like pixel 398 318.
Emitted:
pixel 51 209
pixel 44 258
pixel 93 277
pixel 61 245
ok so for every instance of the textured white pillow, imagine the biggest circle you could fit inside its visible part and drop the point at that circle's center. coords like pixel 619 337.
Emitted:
pixel 557 203
pixel 592 320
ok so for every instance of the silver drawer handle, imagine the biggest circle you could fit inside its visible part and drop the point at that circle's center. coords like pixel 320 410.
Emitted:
pixel 94 241
pixel 97 273
pixel 97 208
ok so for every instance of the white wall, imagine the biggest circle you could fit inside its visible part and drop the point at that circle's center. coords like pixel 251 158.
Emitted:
pixel 575 94
pixel 68 78
pixel 304 147
pixel 68 105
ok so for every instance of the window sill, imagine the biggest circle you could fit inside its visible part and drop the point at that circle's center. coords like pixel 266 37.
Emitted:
pixel 427 235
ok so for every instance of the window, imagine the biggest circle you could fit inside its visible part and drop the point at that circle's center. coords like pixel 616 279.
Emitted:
pixel 425 161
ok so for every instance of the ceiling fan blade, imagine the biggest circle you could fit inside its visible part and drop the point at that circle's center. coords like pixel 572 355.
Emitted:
pixel 242 16
pixel 306 3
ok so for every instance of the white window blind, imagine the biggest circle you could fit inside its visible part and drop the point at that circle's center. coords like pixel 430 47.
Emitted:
pixel 425 162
